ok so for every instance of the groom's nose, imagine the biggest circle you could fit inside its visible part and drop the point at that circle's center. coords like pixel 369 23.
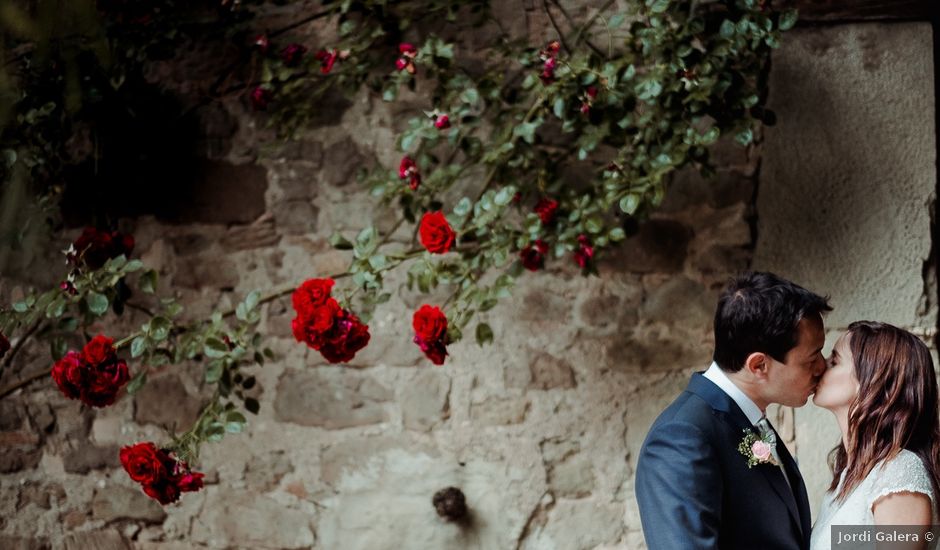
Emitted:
pixel 819 367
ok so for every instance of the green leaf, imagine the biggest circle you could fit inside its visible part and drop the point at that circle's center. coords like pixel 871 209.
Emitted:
pixel 559 107
pixel 340 242
pixel 214 372
pixel 148 281
pixel 744 137
pixel 138 346
pixel 727 29
pixel 97 303
pixel 630 203
pixel 470 95
pixel 504 196
pixel 236 416
pixel 617 234
pixel 215 348
pixel 788 19
pixel 251 301
pixel 20 307
pixel 659 6
pixel 56 307
pixel 160 328
pixel 484 334
pixel 137 382
pixel 58 348
pixel 133 265
pixel 377 262
pixel 616 20
pixel 463 207
pixel 710 136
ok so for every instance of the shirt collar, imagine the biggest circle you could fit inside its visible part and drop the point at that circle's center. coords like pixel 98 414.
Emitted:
pixel 720 378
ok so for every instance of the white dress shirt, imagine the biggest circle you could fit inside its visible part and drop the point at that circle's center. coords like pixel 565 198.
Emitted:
pixel 750 409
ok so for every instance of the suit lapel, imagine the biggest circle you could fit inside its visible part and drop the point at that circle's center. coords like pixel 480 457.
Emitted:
pixel 732 414
pixel 799 488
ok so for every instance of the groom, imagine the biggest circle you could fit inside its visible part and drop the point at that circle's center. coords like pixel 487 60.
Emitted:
pixel 693 484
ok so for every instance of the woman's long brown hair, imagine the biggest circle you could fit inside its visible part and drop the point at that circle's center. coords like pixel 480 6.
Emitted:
pixel 896 407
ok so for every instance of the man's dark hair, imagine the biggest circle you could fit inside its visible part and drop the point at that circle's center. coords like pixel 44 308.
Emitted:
pixel 759 312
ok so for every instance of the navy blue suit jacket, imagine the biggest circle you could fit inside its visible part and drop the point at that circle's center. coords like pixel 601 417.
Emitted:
pixel 694 487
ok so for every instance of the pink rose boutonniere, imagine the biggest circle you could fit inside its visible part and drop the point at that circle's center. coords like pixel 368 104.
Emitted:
pixel 757 450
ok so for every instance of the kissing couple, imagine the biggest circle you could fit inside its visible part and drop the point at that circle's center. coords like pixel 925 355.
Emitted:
pixel 713 472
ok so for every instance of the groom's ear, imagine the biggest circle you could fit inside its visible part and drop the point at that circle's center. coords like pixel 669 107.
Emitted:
pixel 757 364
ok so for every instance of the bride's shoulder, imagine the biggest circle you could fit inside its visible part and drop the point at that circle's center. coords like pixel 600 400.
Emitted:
pixel 905 471
pixel 904 462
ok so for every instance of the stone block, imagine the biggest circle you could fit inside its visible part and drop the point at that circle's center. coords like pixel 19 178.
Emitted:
pixel 208 271
pixel 680 300
pixel 118 502
pixel 332 398
pixel 264 471
pixel 164 401
pixel 223 193
pixel 8 542
pixel 660 246
pixel 231 518
pixel 499 411
pixel 105 539
pixel 425 400
pixel 341 161
pixel 295 217
pixel 550 372
pixel 570 473
pixel 86 458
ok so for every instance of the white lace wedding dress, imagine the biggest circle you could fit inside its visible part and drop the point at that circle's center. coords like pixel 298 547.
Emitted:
pixel 906 472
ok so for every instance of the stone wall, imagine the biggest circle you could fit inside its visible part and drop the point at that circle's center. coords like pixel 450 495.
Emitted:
pixel 541 429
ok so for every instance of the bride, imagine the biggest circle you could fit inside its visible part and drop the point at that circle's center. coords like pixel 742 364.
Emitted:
pixel 881 386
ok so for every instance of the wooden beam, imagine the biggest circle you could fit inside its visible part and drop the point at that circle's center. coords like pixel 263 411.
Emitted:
pixel 863 10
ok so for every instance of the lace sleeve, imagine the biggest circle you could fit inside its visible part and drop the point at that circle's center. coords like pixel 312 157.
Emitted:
pixel 905 473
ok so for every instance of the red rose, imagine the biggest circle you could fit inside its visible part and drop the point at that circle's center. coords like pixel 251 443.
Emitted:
pixel 4 345
pixel 407 49
pixel 327 59
pixel 95 375
pixel 347 337
pixel 69 375
pixel 163 491
pixel 435 351
pixel 143 463
pixel 442 122
pixel 262 43
pixel 429 323
pixel 161 475
pixel 292 54
pixel 584 253
pixel 103 383
pixel 436 234
pixel 260 97
pixel 98 350
pixel 408 169
pixel 311 293
pixel 546 208
pixel 311 326
pixel 191 481
pixel 94 247
pixel 533 256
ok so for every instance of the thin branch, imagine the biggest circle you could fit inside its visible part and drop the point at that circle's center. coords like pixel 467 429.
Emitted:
pixel 578 37
pixel 561 35
pixel 7 390
pixel 19 344
pixel 140 308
